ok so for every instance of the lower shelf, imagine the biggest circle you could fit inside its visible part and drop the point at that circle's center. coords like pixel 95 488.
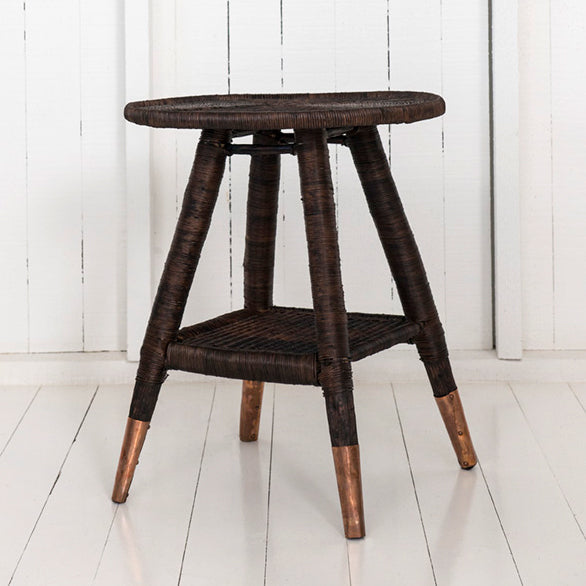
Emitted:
pixel 278 344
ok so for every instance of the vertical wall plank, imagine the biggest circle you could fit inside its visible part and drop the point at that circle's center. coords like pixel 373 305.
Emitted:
pixel 535 169
pixel 102 87
pixel 202 68
pixel 54 175
pixel 568 44
pixel 507 240
pixel 255 67
pixel 309 36
pixel 309 64
pixel 416 150
pixel 13 193
pixel 138 230
pixel 361 64
pixel 468 280
pixel 165 191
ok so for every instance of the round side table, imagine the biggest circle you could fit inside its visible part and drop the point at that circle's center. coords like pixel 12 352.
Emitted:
pixel 266 343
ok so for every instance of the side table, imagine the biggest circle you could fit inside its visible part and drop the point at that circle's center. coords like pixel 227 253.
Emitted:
pixel 267 343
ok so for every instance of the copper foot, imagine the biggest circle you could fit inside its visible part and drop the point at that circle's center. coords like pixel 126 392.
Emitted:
pixel 452 413
pixel 250 408
pixel 131 446
pixel 347 464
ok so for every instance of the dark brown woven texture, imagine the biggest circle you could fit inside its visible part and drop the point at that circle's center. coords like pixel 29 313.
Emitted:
pixel 402 255
pixel 332 370
pixel 277 345
pixel 192 227
pixel 261 226
pixel 317 194
pixel 262 342
pixel 273 111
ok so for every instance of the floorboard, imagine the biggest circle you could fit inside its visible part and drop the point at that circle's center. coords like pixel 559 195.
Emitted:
pixel 562 438
pixel 79 513
pixel 306 539
pixel 464 535
pixel 395 551
pixel 544 537
pixel 15 402
pixel 31 464
pixel 146 543
pixel 205 509
pixel 230 514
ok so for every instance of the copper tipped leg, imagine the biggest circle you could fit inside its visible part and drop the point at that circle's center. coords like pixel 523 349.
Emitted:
pixel 131 446
pixel 250 408
pixel 347 464
pixel 452 413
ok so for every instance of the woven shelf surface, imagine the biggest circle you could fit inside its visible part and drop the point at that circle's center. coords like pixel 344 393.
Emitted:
pixel 277 345
pixel 277 111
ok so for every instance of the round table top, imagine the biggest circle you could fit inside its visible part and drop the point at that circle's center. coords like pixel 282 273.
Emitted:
pixel 278 111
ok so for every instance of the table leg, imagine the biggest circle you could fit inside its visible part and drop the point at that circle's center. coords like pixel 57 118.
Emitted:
pixel 192 228
pixel 414 291
pixel 259 262
pixel 331 321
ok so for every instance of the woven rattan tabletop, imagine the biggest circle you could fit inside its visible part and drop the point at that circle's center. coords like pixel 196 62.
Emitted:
pixel 277 111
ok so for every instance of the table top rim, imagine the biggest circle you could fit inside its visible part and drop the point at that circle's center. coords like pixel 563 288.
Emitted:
pixel 265 111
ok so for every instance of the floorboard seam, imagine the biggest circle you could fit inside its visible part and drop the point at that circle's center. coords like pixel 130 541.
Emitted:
pixel 549 466
pixel 54 484
pixel 203 451
pixel 20 421
pixel 500 522
pixel 269 488
pixel 105 544
pixel 414 487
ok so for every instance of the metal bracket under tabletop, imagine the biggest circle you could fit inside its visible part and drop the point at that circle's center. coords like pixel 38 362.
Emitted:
pixel 284 142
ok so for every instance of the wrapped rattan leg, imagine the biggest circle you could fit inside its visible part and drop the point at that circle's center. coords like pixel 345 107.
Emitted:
pixel 193 224
pixel 452 413
pixel 335 375
pixel 409 273
pixel 250 409
pixel 132 443
pixel 259 260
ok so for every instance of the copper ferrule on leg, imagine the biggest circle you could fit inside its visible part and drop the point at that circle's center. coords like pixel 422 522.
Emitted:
pixel 347 464
pixel 250 409
pixel 452 413
pixel 134 437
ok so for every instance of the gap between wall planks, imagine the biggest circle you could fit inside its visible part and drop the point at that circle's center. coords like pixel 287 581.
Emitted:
pixel 138 209
pixel 54 253
pixel 13 188
pixel 505 165
pixel 535 173
pixel 568 165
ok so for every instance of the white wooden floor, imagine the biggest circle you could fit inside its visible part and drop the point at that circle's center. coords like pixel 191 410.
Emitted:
pixel 205 509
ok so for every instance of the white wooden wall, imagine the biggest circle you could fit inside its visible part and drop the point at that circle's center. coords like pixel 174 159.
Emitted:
pixel 441 166
pixel 62 183
pixel 553 172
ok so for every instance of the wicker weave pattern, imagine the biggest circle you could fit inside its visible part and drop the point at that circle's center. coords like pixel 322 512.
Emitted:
pixel 162 349
pixel 277 345
pixel 262 342
pixel 317 194
pixel 261 225
pixel 402 255
pixel 292 330
pixel 300 111
pixel 192 227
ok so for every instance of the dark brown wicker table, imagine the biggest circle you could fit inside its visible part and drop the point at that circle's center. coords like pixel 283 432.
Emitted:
pixel 266 343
